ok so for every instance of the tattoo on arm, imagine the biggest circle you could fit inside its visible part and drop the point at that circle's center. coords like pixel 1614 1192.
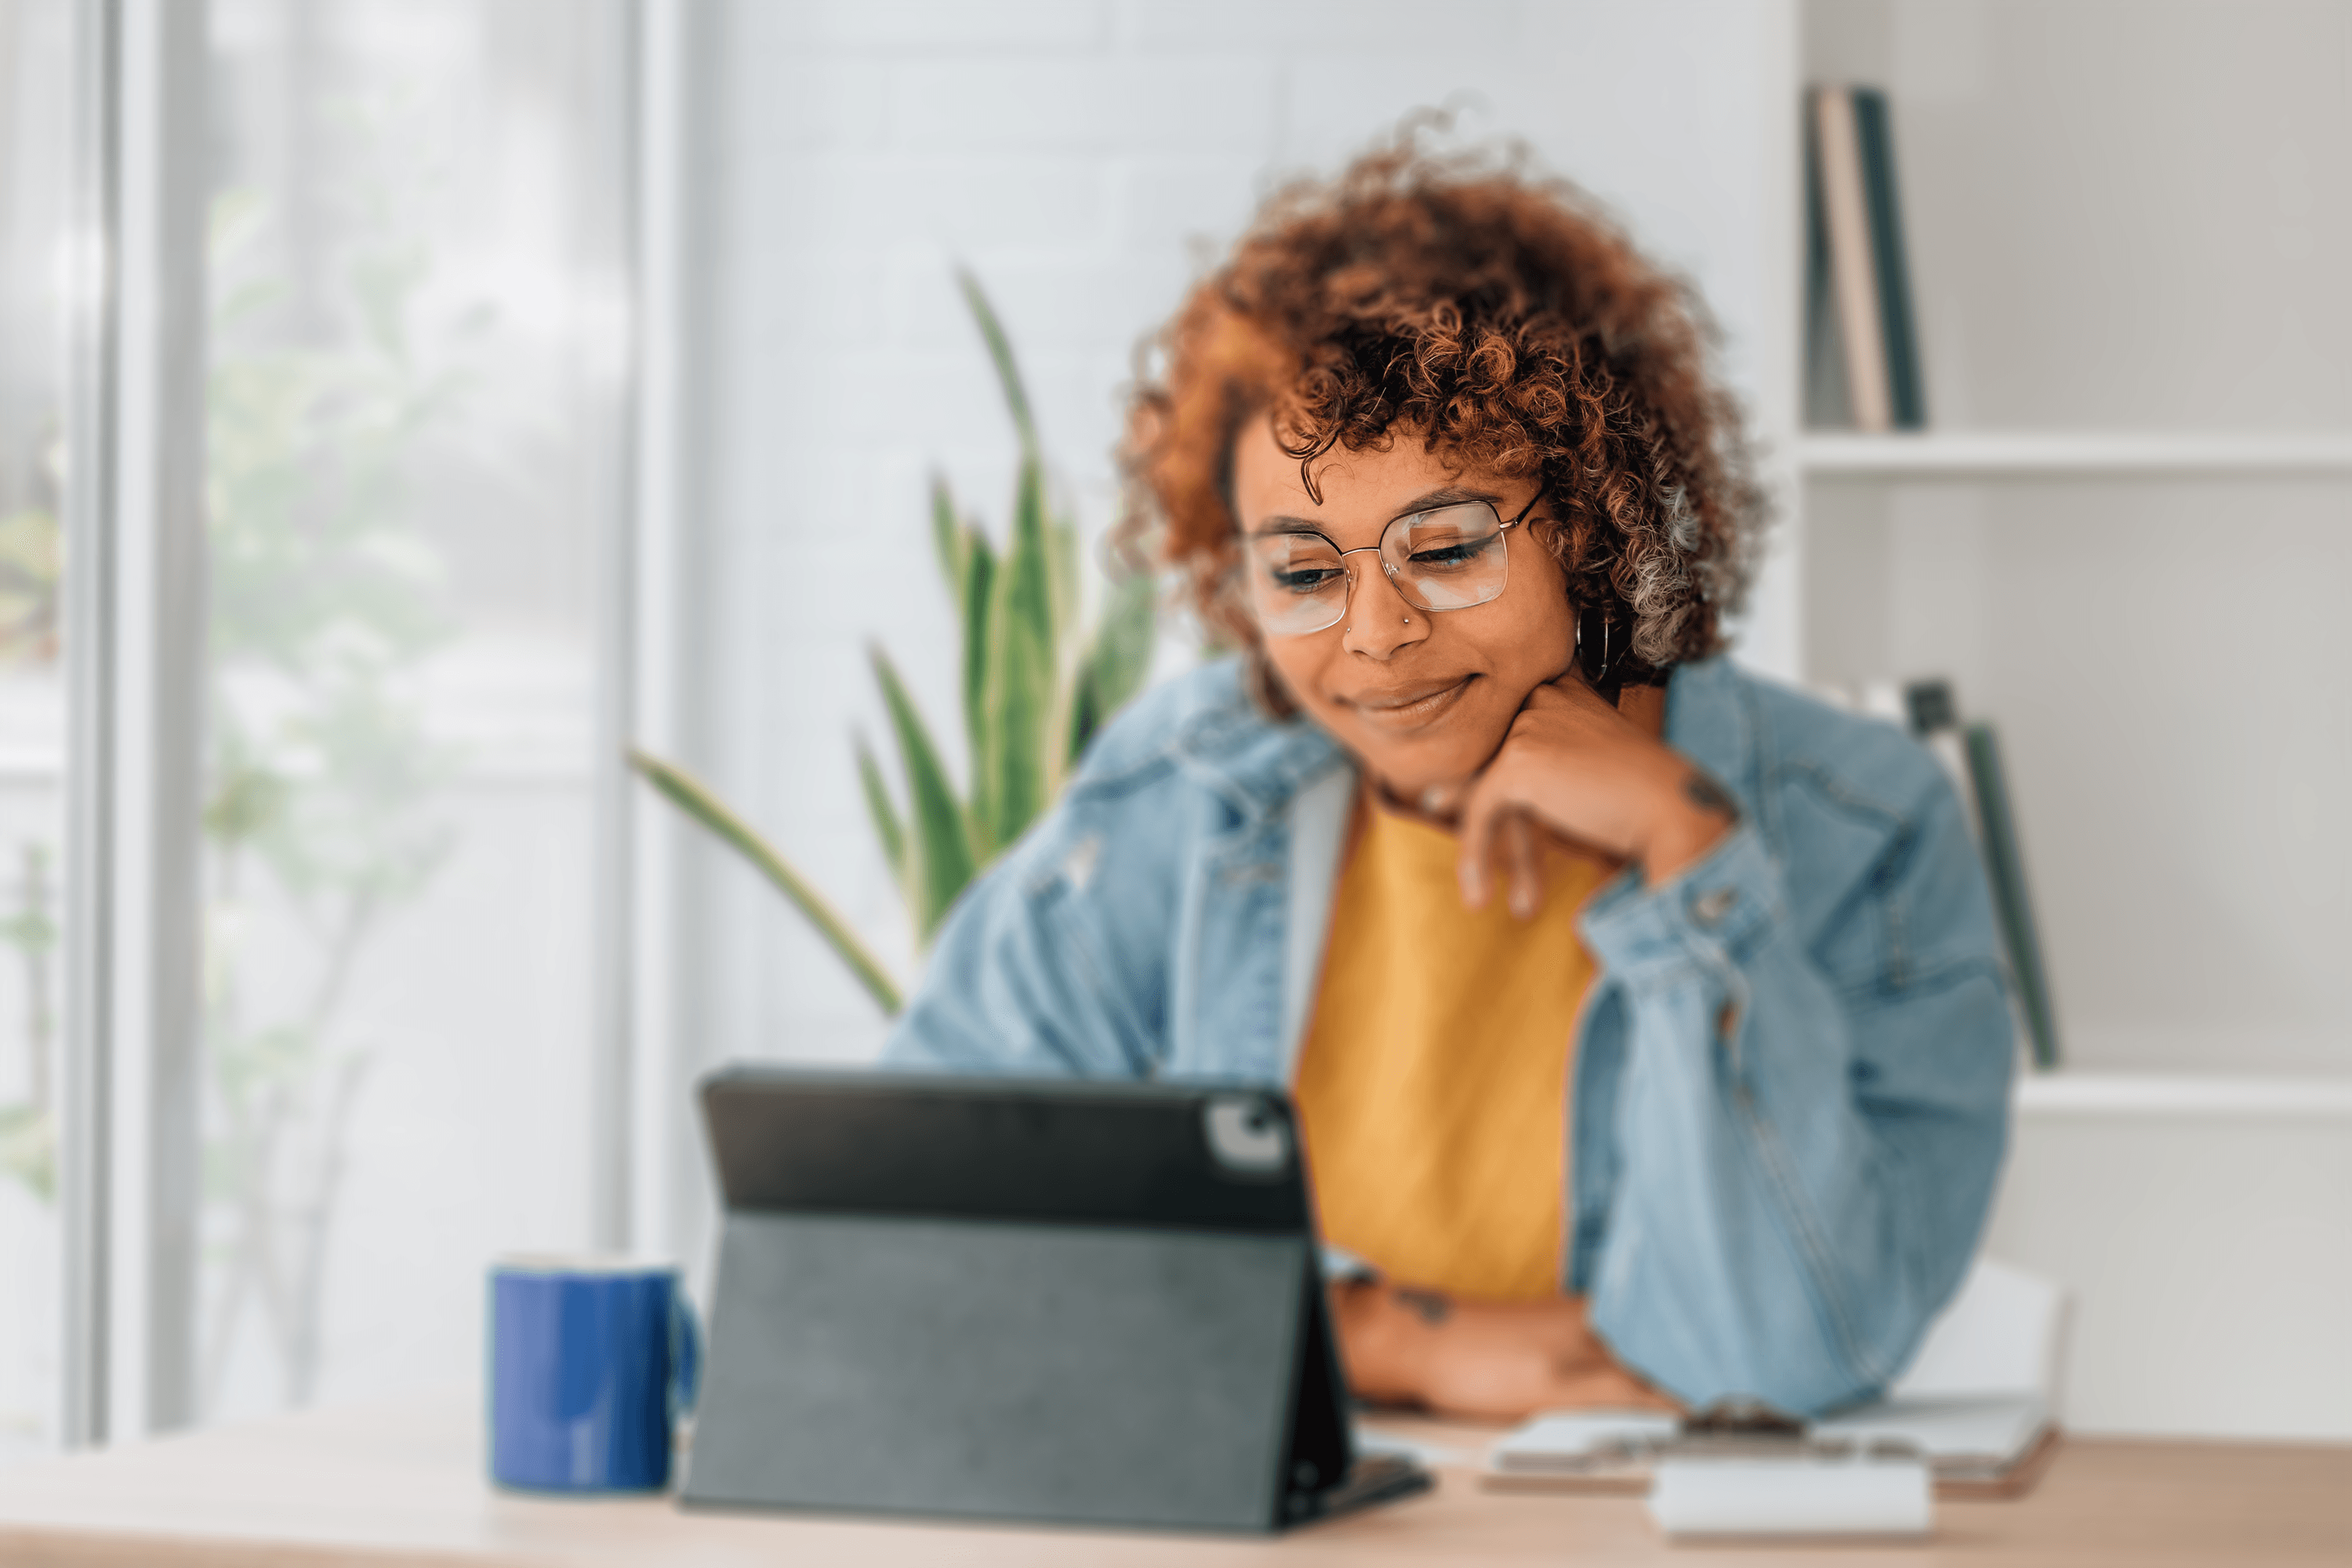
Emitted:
pixel 1708 795
pixel 1430 1306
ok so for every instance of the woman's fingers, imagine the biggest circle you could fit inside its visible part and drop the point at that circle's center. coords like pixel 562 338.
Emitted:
pixel 1480 816
pixel 1603 1385
pixel 1522 855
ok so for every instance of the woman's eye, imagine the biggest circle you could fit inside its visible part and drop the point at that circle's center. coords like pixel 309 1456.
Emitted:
pixel 1437 557
pixel 1304 579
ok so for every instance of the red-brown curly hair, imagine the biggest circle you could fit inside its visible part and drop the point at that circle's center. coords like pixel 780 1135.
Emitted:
pixel 1500 318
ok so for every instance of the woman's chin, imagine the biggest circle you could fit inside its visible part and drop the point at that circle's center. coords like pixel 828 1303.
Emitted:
pixel 1406 770
pixel 1406 757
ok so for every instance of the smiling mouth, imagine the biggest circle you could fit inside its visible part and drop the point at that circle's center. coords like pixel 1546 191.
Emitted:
pixel 1408 710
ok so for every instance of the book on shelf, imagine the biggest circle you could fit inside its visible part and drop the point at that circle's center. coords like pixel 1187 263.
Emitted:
pixel 1970 753
pixel 1862 341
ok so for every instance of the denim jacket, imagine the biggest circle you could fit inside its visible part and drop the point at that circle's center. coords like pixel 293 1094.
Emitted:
pixel 1789 1100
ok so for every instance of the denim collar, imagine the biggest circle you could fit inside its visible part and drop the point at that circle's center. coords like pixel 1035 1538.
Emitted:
pixel 1255 764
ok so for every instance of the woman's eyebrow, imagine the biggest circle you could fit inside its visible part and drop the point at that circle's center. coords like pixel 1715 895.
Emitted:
pixel 1449 495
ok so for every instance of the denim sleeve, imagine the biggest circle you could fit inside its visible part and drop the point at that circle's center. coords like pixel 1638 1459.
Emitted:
pixel 1805 1166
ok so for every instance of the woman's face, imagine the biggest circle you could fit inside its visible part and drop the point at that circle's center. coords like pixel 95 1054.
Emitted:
pixel 1420 696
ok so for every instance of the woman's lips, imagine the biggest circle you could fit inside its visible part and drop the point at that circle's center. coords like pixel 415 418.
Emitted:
pixel 1411 708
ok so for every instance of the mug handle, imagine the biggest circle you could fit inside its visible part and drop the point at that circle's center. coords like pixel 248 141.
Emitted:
pixel 684 1357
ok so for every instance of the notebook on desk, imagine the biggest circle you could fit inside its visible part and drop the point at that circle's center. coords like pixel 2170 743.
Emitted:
pixel 1990 1445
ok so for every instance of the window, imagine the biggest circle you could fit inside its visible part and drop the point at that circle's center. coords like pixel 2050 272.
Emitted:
pixel 414 436
pixel 361 283
pixel 36 174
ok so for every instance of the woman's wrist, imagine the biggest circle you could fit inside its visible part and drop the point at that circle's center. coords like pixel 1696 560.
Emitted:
pixel 1383 1332
pixel 1693 816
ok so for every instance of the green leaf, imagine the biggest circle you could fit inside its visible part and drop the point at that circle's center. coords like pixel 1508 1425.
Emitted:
pixel 1062 574
pixel 949 537
pixel 975 610
pixel 1023 674
pixel 999 354
pixel 699 801
pixel 29 1148
pixel 939 842
pixel 1114 662
pixel 887 826
pixel 248 801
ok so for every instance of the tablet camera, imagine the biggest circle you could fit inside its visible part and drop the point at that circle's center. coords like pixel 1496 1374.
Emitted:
pixel 1248 1136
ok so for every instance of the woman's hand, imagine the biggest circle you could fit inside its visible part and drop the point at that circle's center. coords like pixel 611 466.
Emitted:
pixel 1492 1360
pixel 1572 764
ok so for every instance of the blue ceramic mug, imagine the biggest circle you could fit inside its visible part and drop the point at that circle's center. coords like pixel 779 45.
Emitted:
pixel 591 1361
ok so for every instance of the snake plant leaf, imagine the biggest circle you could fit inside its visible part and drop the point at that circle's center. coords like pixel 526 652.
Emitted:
pixel 1000 355
pixel 887 829
pixel 701 802
pixel 949 536
pixel 940 860
pixel 969 563
pixel 1022 673
pixel 974 602
pixel 1061 540
pixel 1114 662
pixel 1062 574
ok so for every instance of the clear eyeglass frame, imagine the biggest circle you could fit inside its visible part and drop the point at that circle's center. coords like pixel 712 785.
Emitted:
pixel 1421 552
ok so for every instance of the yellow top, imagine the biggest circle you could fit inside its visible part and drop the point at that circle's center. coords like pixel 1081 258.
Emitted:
pixel 1432 1086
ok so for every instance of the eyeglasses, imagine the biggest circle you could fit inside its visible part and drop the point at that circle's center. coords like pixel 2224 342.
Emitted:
pixel 1447 558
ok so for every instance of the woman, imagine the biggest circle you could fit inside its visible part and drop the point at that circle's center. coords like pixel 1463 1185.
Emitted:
pixel 1643 1019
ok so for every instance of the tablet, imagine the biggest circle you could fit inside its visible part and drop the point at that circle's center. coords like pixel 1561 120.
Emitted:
pixel 1067 1300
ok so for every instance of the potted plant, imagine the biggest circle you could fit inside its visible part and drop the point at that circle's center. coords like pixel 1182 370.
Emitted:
pixel 1035 688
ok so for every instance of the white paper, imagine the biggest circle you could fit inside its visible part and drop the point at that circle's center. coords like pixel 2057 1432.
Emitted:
pixel 1992 1431
pixel 2003 1332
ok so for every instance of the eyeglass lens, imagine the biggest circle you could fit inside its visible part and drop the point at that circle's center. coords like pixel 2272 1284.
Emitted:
pixel 1448 559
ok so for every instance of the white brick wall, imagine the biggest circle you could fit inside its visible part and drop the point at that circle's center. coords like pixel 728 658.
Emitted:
pixel 1082 156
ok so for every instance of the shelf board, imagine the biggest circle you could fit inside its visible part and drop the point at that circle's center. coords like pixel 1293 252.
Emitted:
pixel 2197 1095
pixel 1996 454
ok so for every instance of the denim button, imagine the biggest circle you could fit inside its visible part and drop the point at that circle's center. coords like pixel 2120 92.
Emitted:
pixel 1710 907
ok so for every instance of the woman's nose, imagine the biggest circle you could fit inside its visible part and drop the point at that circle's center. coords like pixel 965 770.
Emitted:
pixel 1380 621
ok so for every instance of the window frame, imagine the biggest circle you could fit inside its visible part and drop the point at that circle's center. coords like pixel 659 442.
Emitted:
pixel 130 1086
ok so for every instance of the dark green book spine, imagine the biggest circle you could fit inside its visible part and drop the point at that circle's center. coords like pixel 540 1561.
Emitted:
pixel 2005 866
pixel 1874 132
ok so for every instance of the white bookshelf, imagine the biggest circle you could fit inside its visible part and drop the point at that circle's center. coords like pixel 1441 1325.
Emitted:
pixel 2055 454
pixel 2127 541
pixel 2126 537
pixel 2200 1096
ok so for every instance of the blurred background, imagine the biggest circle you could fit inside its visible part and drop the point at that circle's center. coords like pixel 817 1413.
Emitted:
pixel 406 404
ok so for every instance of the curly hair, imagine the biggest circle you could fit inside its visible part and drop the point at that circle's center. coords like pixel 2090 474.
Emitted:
pixel 1501 320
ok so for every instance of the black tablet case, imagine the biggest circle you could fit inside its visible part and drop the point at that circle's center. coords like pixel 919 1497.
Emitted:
pixel 1078 1302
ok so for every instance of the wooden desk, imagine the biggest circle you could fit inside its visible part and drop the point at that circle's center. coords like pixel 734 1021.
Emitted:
pixel 402 1484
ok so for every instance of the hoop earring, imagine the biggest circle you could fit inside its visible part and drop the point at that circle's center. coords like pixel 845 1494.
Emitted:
pixel 1602 673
